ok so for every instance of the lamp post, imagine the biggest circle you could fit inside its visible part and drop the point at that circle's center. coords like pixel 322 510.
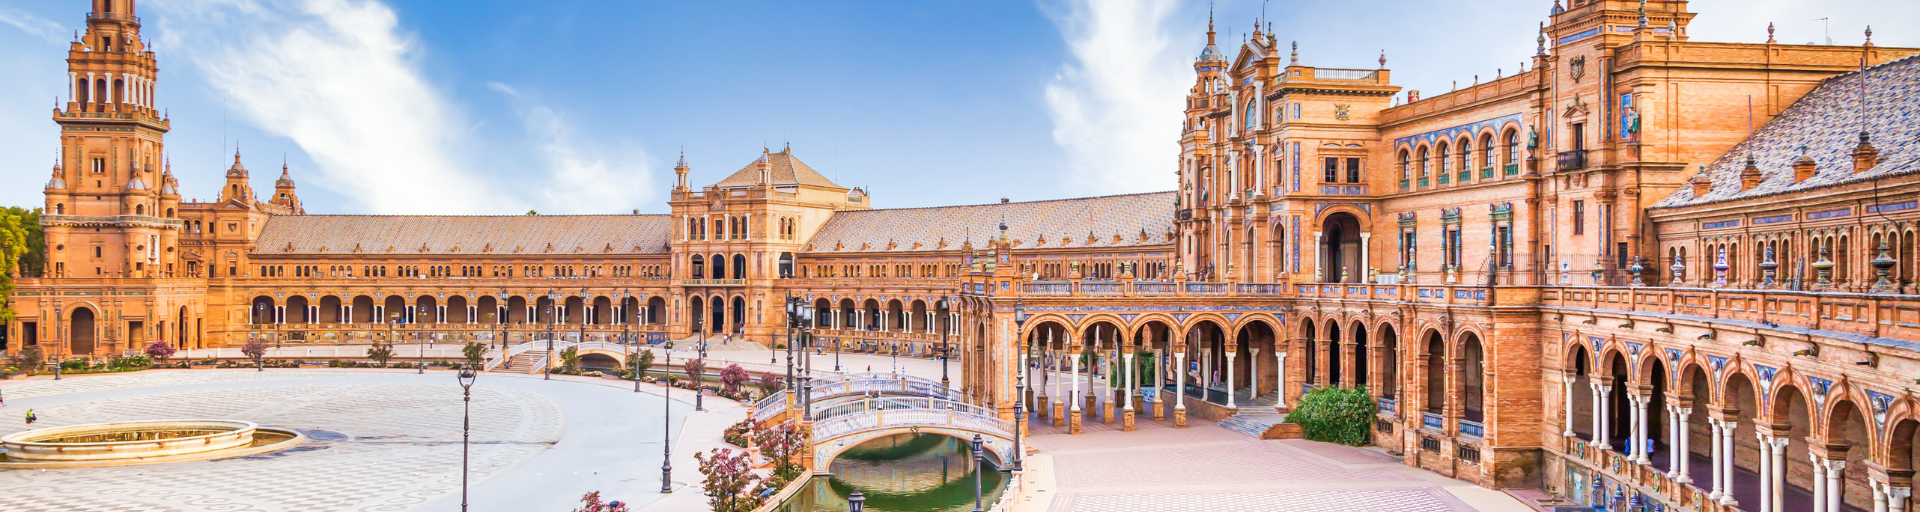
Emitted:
pixel 393 319
pixel 61 346
pixel 586 306
pixel 502 306
pixel 699 391
pixel 978 460
pixel 836 354
pixel 466 378
pixel 421 343
pixel 666 426
pixel 803 315
pixel 945 351
pixel 1020 380
pixel 553 300
pixel 857 502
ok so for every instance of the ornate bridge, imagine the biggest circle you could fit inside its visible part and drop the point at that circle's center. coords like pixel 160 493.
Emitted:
pixel 532 356
pixel 852 409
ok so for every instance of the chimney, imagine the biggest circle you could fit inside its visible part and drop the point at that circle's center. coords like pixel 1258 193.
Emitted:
pixel 1701 184
pixel 1864 155
pixel 1751 177
pixel 1803 168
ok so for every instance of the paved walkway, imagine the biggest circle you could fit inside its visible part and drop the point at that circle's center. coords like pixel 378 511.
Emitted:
pixel 1209 468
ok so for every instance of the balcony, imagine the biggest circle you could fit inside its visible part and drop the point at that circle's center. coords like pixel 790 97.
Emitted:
pixel 1486 174
pixel 1472 429
pixel 1570 160
pixel 1513 170
pixel 112 16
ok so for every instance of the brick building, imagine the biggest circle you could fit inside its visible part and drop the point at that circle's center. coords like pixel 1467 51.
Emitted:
pixel 1520 272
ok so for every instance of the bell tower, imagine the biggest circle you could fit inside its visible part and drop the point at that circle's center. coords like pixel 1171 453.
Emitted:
pixel 108 179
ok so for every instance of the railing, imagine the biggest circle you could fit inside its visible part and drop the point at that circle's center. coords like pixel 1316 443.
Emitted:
pixel 1881 318
pixel 861 405
pixel 1140 288
pixel 846 384
pixel 957 418
pixel 1431 420
pixel 1387 405
pixel 1102 288
pixel 1260 288
pixel 1570 160
pixel 103 220
pixel 771 405
pixel 114 16
pixel 1207 288
pixel 1345 74
pixel 1046 288
pixel 1486 174
pixel 1472 429
pixel 1513 169
pixel 713 282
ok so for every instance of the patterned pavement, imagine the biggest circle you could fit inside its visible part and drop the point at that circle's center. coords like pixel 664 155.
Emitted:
pixel 380 442
pixel 1209 468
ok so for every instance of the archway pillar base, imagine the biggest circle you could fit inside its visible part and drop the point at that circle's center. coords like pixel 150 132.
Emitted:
pixel 1126 421
pixel 1073 423
pixel 1179 418
pixel 1059 416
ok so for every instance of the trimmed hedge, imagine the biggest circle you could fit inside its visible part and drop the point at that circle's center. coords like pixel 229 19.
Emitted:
pixel 1335 415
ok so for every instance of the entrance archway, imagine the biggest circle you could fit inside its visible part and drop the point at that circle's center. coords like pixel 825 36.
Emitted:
pixel 1340 249
pixel 80 332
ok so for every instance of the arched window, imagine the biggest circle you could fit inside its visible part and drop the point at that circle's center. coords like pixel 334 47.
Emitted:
pixel 1513 151
pixel 1486 152
pixel 1421 162
pixel 699 267
pixel 139 209
pixel 59 209
pixel 1466 156
pixel 1445 155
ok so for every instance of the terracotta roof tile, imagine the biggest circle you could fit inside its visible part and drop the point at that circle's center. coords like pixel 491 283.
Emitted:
pixel 446 234
pixel 1111 221
pixel 1828 120
pixel 787 170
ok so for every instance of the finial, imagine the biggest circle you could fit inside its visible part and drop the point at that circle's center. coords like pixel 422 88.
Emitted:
pixel 1542 40
pixel 1869 35
pixel 1383 58
pixel 1296 52
pixel 1769 32
pixel 1643 13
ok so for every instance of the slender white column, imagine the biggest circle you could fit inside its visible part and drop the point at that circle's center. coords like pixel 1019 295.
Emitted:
pixel 1280 377
pixel 1636 416
pixel 1180 380
pixel 1719 484
pixel 1073 360
pixel 1319 267
pixel 92 89
pixel 1897 498
pixel 1778 487
pixel 1601 439
pixel 1879 496
pixel 1365 264
pixel 1230 355
pixel 1766 473
pixel 1685 454
pixel 1674 458
pixel 1835 486
pixel 73 86
pixel 1567 419
pixel 1727 462
pixel 1127 379
pixel 1819 483
pixel 1253 373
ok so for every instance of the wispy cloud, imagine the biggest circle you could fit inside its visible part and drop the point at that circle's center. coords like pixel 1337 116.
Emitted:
pixel 337 78
pixel 582 178
pixel 33 25
pixel 1116 106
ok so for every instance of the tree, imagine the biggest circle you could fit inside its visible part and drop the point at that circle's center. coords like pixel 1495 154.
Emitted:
pixel 732 378
pixel 23 252
pixel 771 382
pixel 28 359
pixel 533 212
pixel 779 445
pixel 476 353
pixel 591 503
pixel 728 476
pixel 639 362
pixel 159 351
pixel 570 360
pixel 1335 415
pixel 255 350
pixel 695 368
pixel 380 352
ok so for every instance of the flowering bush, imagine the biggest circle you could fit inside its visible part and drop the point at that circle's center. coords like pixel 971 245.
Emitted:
pixel 159 351
pixel 728 476
pixel 732 378
pixel 591 503
pixel 770 383
pixel 737 434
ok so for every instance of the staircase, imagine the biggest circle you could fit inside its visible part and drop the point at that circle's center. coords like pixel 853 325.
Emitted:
pixel 1253 422
pixel 527 362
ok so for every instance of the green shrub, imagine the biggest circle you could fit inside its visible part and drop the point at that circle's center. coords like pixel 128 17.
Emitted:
pixel 1335 415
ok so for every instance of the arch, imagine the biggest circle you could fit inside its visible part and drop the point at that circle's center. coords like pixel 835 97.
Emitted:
pixel 719 264
pixel 786 261
pixel 1311 346
pixel 600 314
pixel 330 310
pixel 361 310
pixel 828 449
pixel 896 312
pixel 1338 256
pixel 1473 386
pixel 655 305
pixel 846 314
pixel 738 316
pixel 1435 400
pixel 918 311
pixel 740 266
pixel 487 310
pixel 457 310
pixel 696 314
pixel 81 331
pixel 1389 347
pixel 1361 370
pixel 296 312
pixel 717 314
pixel 262 310
pixel 426 309
pixel 699 265
pixel 822 313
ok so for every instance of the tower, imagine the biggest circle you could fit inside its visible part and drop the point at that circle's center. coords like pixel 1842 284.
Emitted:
pixel 283 193
pixel 107 216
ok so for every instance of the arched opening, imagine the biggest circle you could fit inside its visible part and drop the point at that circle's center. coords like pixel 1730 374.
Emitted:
pixel 1310 348
pixel 1389 362
pixel 1207 344
pixel 655 305
pixel 573 310
pixel 893 319
pixel 822 313
pixel 1618 409
pixel 719 266
pixel 847 318
pixel 1436 399
pixel 330 310
pixel 1340 249
pixel 917 321
pixel 739 316
pixel 871 316
pixel 262 310
pixel 457 310
pixel 1473 385
pixel 1582 393
pixel 599 363
pixel 786 265
pixel 740 266
pixel 487 310
pixel 601 313
pixel 717 315
pixel 1791 411
pixel 1334 362
pixel 426 310
pixel 696 313
pixel 1904 448
pixel 1847 438
pixel 699 265
pixel 543 309
pixel 1360 370
pixel 1655 382
pixel 1259 373
pixel 297 310
pixel 80 332
pixel 517 310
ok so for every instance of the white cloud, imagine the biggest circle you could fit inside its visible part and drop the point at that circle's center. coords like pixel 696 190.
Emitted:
pixel 34 26
pixel 583 180
pixel 336 77
pixel 1116 107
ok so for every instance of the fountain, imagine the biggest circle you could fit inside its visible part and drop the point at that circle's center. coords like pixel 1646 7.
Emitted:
pixel 140 442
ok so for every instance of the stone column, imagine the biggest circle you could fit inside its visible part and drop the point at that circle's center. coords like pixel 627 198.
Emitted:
pixel 1897 498
pixel 1636 428
pixel 1684 431
pixel 1819 482
pixel 1128 385
pixel 1280 378
pixel 1879 496
pixel 1365 264
pixel 1230 354
pixel 1073 377
pixel 1777 451
pixel 1567 397
pixel 1766 471
pixel 1602 390
pixel 1719 484
pixel 1180 388
pixel 1726 459
pixel 1319 267
pixel 1835 486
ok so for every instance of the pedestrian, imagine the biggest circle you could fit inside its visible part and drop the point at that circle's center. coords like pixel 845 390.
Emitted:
pixel 31 418
pixel 3 398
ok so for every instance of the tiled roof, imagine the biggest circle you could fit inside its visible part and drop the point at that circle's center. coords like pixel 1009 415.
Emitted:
pixel 1064 223
pixel 443 234
pixel 1828 120
pixel 787 170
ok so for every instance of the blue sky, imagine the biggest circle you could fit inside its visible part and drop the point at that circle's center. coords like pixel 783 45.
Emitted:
pixel 582 106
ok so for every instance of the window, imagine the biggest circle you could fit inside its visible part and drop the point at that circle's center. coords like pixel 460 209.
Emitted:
pixel 1353 170
pixel 1506 246
pixel 99 165
pixel 1453 254
pixel 1332 171
pixel 1579 217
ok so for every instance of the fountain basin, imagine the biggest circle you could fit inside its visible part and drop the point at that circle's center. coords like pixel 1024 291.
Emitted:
pixel 141 442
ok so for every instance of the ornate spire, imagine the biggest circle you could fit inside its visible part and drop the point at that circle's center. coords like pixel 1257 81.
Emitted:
pixel 1542 40
pixel 1296 54
pixel 1383 58
pixel 1869 36
pixel 1769 32
pixel 1643 13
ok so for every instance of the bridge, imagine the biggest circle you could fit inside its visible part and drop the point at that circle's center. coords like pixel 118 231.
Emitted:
pixel 531 357
pixel 851 409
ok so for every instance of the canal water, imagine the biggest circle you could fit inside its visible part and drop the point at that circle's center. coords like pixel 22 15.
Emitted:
pixel 902 473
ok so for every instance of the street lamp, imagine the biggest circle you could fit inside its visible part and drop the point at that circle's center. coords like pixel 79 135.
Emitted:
pixel 504 313
pixel 802 317
pixel 586 305
pixel 553 299
pixel 393 318
pixel 666 426
pixel 1020 380
pixel 699 391
pixel 978 460
pixel 945 352
pixel 857 502
pixel 466 378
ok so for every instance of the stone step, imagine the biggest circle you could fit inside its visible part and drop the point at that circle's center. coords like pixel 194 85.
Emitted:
pixel 1252 424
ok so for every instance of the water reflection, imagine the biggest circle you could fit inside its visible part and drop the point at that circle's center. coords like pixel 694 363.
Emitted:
pixel 902 473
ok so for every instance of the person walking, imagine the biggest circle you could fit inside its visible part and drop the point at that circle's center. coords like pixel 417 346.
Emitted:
pixel 3 398
pixel 31 418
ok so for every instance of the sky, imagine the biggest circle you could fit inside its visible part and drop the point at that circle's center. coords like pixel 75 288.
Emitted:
pixel 582 106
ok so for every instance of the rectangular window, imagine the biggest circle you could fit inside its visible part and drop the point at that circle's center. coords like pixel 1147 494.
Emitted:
pixel 1506 247
pixel 1353 170
pixel 1455 256
pixel 1579 217
pixel 1332 170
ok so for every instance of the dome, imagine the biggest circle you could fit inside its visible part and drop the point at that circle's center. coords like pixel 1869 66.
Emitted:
pixel 285 180
pixel 237 171
pixel 136 184
pixel 1211 53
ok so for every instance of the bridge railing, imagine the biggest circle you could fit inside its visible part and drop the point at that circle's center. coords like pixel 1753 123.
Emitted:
pixel 855 405
pixel 976 419
pixel 879 383
pixel 770 406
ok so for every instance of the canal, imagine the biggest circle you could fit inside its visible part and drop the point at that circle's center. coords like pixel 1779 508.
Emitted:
pixel 902 473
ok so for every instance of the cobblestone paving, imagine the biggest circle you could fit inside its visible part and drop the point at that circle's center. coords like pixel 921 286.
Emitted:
pixel 159 378
pixel 1405 500
pixel 374 447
